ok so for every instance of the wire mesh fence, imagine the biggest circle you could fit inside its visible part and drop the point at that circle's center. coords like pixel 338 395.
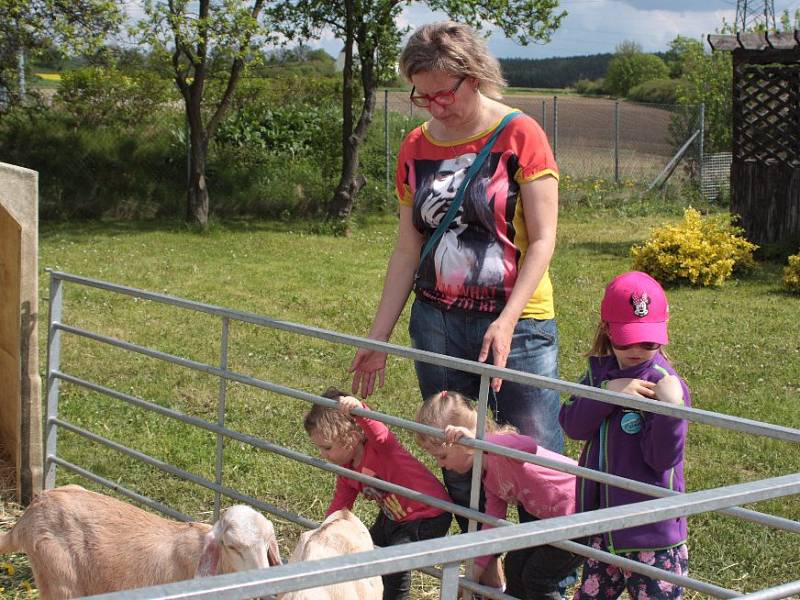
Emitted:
pixel 591 137
pixel 716 174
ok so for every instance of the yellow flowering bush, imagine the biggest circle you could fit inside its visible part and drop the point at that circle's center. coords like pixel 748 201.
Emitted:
pixel 701 250
pixel 791 274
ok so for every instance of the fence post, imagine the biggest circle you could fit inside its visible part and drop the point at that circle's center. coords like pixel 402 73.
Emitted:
pixel 223 388
pixel 700 149
pixel 449 589
pixel 616 142
pixel 555 126
pixel 53 364
pixel 386 142
pixel 544 115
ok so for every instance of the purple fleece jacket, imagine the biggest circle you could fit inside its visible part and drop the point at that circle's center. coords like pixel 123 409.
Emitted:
pixel 633 444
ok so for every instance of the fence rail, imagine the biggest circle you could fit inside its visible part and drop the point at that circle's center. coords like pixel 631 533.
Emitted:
pixel 448 551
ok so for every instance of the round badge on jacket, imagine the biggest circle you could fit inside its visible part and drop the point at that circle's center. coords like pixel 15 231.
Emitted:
pixel 631 422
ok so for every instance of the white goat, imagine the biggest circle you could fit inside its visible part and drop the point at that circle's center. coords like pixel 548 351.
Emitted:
pixel 81 543
pixel 341 533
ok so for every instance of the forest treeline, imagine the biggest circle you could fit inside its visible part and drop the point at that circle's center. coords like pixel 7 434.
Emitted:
pixel 558 72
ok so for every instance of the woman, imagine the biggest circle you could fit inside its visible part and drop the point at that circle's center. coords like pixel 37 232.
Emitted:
pixel 484 292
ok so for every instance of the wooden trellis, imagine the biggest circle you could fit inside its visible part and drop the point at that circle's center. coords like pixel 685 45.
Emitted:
pixel 765 172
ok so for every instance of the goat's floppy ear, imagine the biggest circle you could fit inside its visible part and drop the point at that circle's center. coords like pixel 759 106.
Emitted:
pixel 209 558
pixel 273 553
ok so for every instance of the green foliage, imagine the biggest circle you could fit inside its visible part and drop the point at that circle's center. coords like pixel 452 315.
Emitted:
pixel 791 274
pixel 707 79
pixel 93 172
pixel 631 67
pixel 655 91
pixel 48 28
pixel 591 87
pixel 701 250
pixel 679 48
pixel 95 96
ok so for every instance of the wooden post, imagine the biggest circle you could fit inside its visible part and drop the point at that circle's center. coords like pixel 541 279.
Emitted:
pixel 20 391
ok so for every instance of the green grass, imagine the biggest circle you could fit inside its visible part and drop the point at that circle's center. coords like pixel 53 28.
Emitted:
pixel 737 346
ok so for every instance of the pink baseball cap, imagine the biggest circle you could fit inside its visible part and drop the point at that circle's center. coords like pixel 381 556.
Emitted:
pixel 635 307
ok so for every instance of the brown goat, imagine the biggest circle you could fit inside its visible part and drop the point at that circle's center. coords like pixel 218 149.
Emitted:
pixel 341 533
pixel 81 543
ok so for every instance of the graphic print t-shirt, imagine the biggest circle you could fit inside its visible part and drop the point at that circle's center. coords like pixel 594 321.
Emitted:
pixel 475 263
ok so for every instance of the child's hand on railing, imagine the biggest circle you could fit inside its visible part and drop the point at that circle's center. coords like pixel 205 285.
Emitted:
pixel 348 403
pixel 453 433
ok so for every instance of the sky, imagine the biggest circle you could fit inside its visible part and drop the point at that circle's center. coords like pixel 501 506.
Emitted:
pixel 597 26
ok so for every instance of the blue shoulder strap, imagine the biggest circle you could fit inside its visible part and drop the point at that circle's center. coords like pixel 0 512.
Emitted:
pixel 459 197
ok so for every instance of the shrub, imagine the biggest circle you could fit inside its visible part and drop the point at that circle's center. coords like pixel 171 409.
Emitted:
pixel 656 91
pixel 590 87
pixel 791 274
pixel 701 250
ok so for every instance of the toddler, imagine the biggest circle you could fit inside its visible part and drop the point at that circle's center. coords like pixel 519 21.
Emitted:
pixel 539 492
pixel 367 446
pixel 628 356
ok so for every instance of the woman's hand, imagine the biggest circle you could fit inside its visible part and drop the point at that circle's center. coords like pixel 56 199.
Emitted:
pixel 453 433
pixel 669 390
pixel 348 403
pixel 634 387
pixel 497 340
pixel 367 366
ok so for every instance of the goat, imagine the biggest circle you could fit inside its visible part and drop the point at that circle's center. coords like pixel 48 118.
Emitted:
pixel 81 543
pixel 341 533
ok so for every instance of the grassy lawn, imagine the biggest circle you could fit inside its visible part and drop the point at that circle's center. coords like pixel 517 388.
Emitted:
pixel 737 346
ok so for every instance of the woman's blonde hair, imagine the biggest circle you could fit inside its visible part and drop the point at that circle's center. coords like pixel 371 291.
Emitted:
pixel 334 426
pixel 452 408
pixel 456 49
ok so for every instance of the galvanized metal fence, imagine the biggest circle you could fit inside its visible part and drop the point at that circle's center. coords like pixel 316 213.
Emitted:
pixel 447 552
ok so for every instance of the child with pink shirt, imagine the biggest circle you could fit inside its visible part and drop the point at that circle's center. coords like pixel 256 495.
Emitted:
pixel 539 492
pixel 367 446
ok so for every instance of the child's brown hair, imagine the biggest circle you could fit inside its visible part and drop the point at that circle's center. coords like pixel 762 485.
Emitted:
pixel 333 425
pixel 452 408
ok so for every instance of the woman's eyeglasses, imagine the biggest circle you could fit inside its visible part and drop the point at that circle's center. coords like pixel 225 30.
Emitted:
pixel 441 98
pixel 643 345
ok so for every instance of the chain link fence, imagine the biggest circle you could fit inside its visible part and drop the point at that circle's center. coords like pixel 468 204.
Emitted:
pixel 592 138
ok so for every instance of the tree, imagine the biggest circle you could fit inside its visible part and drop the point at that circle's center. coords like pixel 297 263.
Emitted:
pixel 37 26
pixel 631 66
pixel 208 44
pixel 371 39
pixel 679 49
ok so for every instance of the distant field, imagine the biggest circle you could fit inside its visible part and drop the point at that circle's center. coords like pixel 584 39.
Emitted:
pixel 585 141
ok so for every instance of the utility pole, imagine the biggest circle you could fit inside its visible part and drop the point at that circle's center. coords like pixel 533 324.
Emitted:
pixel 752 14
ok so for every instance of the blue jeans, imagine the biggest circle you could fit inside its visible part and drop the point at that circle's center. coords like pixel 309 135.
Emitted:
pixel 534 349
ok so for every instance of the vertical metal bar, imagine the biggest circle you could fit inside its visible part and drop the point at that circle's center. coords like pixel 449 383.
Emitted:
pixel 544 115
pixel 449 589
pixel 700 148
pixel 223 364
pixel 555 127
pixel 616 142
pixel 53 383
pixel 386 142
pixel 477 465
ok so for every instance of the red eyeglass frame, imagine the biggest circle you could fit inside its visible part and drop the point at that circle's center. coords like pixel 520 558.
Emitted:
pixel 441 98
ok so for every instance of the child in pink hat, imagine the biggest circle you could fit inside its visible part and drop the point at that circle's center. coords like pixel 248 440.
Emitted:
pixel 627 356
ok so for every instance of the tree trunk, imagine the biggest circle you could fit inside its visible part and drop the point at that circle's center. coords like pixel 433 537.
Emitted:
pixel 197 192
pixel 351 181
